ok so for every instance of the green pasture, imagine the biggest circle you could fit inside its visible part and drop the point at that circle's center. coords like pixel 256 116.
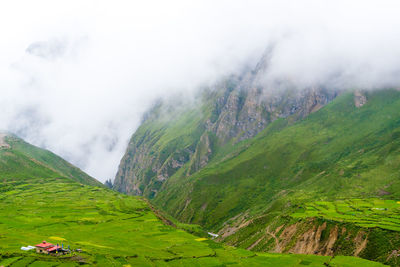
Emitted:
pixel 112 230
pixel 371 212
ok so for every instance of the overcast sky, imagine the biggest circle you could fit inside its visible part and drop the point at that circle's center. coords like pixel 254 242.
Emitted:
pixel 76 76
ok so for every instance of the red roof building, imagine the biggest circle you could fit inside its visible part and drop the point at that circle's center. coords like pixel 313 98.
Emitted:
pixel 44 244
pixel 47 248
pixel 53 249
pixel 42 247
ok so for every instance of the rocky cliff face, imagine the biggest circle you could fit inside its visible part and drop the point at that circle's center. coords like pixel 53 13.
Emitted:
pixel 312 236
pixel 3 143
pixel 234 110
pixel 359 98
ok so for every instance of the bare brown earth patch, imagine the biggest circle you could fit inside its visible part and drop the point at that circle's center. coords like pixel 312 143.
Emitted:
pixel 256 243
pixel 359 99
pixel 277 244
pixel 287 235
pixel 239 221
pixel 308 242
pixel 3 143
pixel 333 236
pixel 360 242
pixel 382 192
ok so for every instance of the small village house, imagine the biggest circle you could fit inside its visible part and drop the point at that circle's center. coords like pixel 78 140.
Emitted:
pixel 48 248
pixel 43 247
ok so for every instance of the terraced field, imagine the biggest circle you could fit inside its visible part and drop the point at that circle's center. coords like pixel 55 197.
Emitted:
pixel 370 212
pixel 43 197
pixel 113 230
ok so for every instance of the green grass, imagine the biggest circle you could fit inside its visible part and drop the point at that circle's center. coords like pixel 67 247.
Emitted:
pixel 112 230
pixel 42 199
pixel 23 160
pixel 367 213
pixel 338 152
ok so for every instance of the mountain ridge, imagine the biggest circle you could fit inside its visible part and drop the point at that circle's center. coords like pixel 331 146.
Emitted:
pixel 343 148
pixel 35 163
pixel 232 111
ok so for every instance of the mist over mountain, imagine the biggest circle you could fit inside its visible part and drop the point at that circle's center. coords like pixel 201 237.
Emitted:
pixel 199 133
pixel 77 77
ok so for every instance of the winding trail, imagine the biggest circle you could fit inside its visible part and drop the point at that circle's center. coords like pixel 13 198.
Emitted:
pixel 277 246
pixel 268 232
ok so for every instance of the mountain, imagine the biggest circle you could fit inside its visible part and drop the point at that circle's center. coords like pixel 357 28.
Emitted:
pixel 338 152
pixel 310 171
pixel 19 159
pixel 45 198
pixel 235 110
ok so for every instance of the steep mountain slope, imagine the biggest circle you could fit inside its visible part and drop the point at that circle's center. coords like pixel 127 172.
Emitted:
pixel 339 151
pixel 19 159
pixel 38 203
pixel 250 187
pixel 235 110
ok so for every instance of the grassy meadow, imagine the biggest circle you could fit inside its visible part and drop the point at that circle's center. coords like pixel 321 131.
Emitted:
pixel 113 230
pixel 372 212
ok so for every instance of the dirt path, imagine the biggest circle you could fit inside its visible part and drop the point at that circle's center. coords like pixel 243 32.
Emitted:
pixel 3 143
pixel 159 215
pixel 277 246
pixel 255 243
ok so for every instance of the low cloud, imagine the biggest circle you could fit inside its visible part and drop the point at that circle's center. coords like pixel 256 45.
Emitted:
pixel 77 76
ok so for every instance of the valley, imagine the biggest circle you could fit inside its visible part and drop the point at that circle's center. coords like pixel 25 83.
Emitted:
pixel 313 185
pixel 45 198
pixel 318 181
pixel 200 133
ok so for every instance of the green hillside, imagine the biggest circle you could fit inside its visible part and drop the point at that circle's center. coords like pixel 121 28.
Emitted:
pixel 19 159
pixel 44 198
pixel 343 156
pixel 113 230
pixel 338 152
